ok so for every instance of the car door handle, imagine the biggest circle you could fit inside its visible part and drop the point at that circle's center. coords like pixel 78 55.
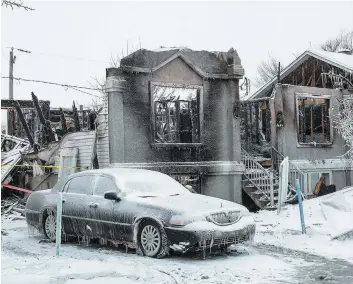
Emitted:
pixel 63 201
pixel 93 205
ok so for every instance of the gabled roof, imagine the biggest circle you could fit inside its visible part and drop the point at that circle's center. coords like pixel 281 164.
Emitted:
pixel 205 63
pixel 340 60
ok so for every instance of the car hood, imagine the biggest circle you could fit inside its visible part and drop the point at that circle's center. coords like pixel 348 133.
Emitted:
pixel 189 203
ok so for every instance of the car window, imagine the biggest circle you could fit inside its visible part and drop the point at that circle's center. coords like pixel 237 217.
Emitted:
pixel 104 184
pixel 80 185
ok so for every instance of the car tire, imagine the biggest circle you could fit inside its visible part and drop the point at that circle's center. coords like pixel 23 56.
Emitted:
pixel 49 225
pixel 152 240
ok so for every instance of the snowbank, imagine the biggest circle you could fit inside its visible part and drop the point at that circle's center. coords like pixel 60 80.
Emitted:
pixel 326 218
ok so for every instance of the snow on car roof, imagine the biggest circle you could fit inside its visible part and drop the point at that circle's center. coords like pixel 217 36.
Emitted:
pixel 123 172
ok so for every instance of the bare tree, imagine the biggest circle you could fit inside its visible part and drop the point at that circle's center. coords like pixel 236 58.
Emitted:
pixel 18 4
pixel 343 41
pixel 344 123
pixel 114 62
pixel 267 70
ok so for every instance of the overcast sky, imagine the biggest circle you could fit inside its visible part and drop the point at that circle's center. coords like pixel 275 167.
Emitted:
pixel 73 41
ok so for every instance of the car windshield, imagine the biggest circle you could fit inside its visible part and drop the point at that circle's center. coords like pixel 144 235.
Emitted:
pixel 151 184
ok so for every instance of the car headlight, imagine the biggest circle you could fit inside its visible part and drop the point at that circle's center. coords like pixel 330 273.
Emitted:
pixel 179 220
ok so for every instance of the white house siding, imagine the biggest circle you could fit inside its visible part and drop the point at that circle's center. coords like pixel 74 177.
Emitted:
pixel 84 142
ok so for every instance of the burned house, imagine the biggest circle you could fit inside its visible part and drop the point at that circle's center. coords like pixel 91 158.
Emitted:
pixel 46 143
pixel 176 111
pixel 293 116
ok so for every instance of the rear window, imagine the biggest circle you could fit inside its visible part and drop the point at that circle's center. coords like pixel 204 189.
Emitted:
pixel 80 185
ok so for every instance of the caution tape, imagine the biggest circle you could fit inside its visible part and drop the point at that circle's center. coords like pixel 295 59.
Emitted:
pixel 16 188
pixel 48 167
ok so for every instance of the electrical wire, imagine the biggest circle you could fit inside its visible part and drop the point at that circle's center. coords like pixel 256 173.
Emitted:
pixel 69 57
pixel 74 87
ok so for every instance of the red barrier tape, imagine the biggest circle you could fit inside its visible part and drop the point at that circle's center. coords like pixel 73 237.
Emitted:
pixel 16 188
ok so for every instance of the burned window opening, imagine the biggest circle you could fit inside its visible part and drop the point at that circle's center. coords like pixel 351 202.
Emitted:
pixel 176 115
pixel 314 120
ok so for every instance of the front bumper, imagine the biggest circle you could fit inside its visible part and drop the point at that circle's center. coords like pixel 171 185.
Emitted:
pixel 204 234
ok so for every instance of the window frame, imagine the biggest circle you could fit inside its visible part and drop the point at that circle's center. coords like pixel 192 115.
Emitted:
pixel 309 179
pixel 67 185
pixel 313 96
pixel 104 176
pixel 199 89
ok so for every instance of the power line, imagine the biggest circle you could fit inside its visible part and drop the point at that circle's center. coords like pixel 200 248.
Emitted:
pixel 61 55
pixel 77 88
pixel 70 57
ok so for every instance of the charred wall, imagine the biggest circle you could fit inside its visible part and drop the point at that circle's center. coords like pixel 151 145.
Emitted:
pixel 131 132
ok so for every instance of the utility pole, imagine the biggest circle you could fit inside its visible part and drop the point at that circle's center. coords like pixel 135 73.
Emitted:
pixel 11 113
pixel 12 61
pixel 11 125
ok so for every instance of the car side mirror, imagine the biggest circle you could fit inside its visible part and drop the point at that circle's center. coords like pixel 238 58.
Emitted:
pixel 112 195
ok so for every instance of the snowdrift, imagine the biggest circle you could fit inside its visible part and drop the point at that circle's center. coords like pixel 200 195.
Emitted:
pixel 328 221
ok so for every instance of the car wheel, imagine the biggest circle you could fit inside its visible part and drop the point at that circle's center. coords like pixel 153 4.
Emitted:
pixel 50 225
pixel 153 240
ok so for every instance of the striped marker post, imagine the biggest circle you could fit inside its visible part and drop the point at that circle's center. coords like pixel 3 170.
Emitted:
pixel 301 211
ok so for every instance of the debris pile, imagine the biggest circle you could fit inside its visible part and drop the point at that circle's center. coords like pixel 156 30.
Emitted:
pixel 12 204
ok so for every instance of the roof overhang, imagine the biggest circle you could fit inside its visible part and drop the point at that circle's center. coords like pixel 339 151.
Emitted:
pixel 182 56
pixel 302 58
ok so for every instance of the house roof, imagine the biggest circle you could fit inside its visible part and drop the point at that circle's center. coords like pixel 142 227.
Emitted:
pixel 340 60
pixel 205 63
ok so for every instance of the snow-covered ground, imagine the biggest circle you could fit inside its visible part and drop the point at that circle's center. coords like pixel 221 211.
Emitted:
pixel 25 259
pixel 325 218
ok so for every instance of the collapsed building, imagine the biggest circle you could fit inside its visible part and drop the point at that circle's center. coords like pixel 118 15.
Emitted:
pixel 45 144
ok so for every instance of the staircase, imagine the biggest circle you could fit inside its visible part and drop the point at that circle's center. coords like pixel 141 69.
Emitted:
pixel 262 161
pixel 261 180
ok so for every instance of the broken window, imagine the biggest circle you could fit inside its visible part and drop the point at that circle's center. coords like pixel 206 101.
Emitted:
pixel 314 178
pixel 313 120
pixel 176 114
pixel 8 145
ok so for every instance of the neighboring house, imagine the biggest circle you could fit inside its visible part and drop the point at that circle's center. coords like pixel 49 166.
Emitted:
pixel 175 111
pixel 294 118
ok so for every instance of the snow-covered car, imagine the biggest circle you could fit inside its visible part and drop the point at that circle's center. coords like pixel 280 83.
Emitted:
pixel 142 209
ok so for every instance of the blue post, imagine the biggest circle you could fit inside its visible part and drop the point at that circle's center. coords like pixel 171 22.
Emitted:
pixel 58 223
pixel 297 186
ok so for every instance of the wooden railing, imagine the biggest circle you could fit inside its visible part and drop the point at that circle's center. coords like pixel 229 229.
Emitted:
pixel 261 178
